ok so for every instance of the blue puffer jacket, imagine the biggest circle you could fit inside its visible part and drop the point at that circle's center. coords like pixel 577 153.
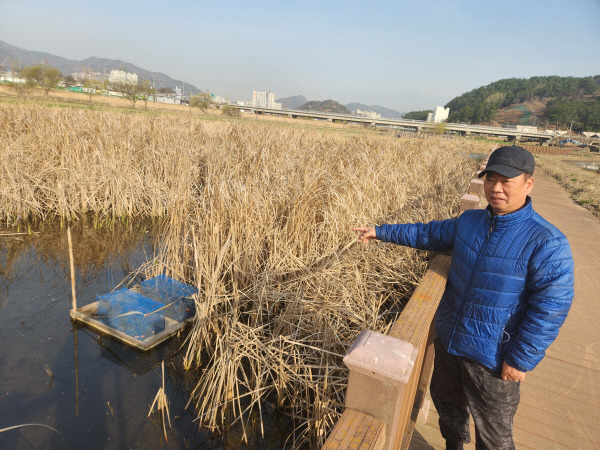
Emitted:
pixel 509 288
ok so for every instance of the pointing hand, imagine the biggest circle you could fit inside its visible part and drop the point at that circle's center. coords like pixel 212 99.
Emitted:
pixel 365 234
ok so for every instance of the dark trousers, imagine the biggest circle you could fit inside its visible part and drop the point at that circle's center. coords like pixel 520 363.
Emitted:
pixel 459 386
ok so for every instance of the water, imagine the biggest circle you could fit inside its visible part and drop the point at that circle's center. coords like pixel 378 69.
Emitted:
pixel 93 391
pixel 593 166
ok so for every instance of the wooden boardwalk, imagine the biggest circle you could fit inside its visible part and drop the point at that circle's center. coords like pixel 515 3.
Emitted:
pixel 560 399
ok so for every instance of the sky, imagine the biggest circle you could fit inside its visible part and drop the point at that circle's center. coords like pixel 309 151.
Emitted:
pixel 405 55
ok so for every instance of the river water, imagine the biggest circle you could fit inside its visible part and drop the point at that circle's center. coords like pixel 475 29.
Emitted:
pixel 94 392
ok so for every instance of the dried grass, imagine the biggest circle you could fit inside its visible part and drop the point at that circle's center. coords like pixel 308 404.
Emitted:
pixel 162 404
pixel 259 218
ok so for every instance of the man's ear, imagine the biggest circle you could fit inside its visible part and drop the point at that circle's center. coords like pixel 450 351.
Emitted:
pixel 529 184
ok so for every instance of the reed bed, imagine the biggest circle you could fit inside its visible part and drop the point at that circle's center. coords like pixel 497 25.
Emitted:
pixel 258 217
pixel 67 163
pixel 284 290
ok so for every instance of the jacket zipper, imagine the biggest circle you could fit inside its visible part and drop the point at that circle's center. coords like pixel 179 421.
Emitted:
pixel 468 289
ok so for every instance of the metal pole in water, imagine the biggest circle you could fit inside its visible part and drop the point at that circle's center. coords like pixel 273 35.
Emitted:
pixel 72 266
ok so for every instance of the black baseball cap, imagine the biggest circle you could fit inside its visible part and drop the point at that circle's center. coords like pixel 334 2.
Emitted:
pixel 510 161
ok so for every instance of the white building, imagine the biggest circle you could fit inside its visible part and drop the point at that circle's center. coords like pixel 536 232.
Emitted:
pixel 370 114
pixel 440 114
pixel 264 100
pixel 88 75
pixel 120 76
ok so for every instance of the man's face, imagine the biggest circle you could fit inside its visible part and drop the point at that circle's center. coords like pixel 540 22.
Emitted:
pixel 506 195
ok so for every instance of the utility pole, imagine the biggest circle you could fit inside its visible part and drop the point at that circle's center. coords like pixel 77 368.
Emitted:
pixel 570 127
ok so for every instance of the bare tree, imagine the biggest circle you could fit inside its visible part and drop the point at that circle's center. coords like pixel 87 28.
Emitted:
pixel 147 91
pixel 69 81
pixel 130 91
pixel 90 88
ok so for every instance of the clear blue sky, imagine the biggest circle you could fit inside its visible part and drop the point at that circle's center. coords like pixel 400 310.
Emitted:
pixel 404 55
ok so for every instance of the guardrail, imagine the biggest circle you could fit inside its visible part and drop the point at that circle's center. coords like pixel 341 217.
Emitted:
pixel 390 374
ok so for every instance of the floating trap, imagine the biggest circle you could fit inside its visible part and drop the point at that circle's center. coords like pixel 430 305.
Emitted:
pixel 143 316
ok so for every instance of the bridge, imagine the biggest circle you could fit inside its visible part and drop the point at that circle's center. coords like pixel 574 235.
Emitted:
pixel 405 124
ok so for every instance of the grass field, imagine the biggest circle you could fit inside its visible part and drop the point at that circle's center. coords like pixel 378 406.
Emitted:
pixel 258 216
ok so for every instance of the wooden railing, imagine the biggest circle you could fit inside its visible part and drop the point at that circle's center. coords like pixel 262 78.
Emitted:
pixel 389 375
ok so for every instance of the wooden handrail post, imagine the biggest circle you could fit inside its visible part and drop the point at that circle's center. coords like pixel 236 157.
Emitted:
pixel 380 368
pixel 469 201
pixel 476 187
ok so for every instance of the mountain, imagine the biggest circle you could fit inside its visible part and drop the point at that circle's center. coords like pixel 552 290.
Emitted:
pixel 296 101
pixel 385 112
pixel 328 106
pixel 549 100
pixel 292 102
pixel 15 57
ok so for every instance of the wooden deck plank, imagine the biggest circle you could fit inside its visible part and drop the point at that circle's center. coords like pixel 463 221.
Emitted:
pixel 567 437
pixel 356 430
pixel 562 388
pixel 544 398
pixel 563 420
pixel 584 360
pixel 340 431
pixel 564 374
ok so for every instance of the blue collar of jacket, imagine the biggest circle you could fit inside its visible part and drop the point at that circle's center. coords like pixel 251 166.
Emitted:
pixel 514 217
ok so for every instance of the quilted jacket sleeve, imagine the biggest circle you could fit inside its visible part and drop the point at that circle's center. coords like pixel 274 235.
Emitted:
pixel 436 236
pixel 550 290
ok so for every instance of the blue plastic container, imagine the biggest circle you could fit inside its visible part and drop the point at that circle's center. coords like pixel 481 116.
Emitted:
pixel 131 313
pixel 165 290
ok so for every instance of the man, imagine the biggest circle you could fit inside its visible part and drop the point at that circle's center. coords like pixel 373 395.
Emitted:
pixel 509 289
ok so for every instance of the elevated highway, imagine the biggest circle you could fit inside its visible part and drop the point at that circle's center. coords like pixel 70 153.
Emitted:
pixel 405 124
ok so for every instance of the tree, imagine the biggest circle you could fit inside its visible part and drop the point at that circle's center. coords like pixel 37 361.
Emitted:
pixel 231 111
pixel 203 101
pixel 417 115
pixel 69 81
pixel 166 90
pixel 129 91
pixel 147 91
pixel 42 75
pixel 90 87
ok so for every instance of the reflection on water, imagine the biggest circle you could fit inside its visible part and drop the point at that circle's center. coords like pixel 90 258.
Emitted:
pixel 593 166
pixel 95 392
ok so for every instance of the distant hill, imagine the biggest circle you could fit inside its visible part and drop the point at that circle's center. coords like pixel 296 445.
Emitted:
pixel 551 100
pixel 418 115
pixel 328 106
pixel 17 57
pixel 385 112
pixel 292 102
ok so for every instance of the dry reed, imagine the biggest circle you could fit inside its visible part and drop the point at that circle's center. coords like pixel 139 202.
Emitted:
pixel 162 404
pixel 258 217
pixel 283 288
